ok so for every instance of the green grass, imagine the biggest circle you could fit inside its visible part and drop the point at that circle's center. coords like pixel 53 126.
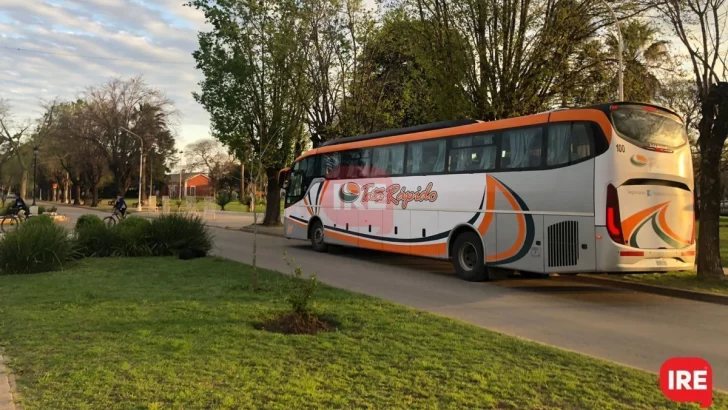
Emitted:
pixel 151 333
pixel 682 280
pixel 689 280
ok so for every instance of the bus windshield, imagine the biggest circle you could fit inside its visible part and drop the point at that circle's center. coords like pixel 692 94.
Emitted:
pixel 645 127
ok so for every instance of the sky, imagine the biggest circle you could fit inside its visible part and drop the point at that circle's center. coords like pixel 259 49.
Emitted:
pixel 159 34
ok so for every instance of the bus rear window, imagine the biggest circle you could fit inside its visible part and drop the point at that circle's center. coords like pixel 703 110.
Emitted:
pixel 646 128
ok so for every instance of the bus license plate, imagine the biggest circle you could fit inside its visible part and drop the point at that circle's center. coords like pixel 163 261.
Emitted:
pixel 661 262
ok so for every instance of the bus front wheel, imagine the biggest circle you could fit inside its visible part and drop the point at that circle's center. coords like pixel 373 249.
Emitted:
pixel 468 257
pixel 317 237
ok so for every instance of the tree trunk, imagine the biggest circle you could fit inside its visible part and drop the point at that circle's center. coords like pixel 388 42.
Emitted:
pixel 24 183
pixel 712 138
pixel 95 195
pixel 77 194
pixel 273 199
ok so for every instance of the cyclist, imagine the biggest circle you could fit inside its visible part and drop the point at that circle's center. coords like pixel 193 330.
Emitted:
pixel 19 205
pixel 120 205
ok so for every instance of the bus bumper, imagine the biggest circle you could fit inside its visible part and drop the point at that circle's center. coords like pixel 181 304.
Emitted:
pixel 615 258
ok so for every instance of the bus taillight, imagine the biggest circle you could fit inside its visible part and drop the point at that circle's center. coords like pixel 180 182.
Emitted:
pixel 614 222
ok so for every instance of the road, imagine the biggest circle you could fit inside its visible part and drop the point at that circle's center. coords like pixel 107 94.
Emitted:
pixel 631 328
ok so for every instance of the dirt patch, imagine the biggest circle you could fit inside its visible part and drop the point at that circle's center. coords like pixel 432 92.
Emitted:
pixel 298 324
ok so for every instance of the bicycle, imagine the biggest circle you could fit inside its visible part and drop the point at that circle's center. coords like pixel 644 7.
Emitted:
pixel 10 222
pixel 113 219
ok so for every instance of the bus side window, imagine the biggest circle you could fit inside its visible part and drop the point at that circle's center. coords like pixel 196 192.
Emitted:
pixel 329 164
pixel 426 156
pixel 521 148
pixel 473 153
pixel 387 160
pixel 581 141
pixel 559 141
pixel 354 163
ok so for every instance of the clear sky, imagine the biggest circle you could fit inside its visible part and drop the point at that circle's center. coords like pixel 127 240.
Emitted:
pixel 162 32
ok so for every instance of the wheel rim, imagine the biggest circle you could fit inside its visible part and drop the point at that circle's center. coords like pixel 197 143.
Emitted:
pixel 318 235
pixel 468 256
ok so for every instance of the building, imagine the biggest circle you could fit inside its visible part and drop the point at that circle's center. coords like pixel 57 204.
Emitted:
pixel 193 184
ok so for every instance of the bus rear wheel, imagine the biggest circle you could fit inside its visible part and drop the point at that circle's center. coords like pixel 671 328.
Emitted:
pixel 468 258
pixel 317 237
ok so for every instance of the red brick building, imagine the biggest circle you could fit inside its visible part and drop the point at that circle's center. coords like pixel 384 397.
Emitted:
pixel 193 184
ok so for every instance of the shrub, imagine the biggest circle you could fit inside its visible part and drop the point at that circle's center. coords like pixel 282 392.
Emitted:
pixel 41 210
pixel 37 220
pixel 171 233
pixel 223 198
pixel 53 209
pixel 132 234
pixel 299 290
pixel 94 239
pixel 36 247
pixel 88 220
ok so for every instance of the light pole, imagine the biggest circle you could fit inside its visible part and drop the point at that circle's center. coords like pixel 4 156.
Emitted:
pixel 621 52
pixel 35 171
pixel 141 162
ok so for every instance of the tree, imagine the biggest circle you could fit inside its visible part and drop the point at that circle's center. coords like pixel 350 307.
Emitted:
pixel 399 83
pixel 327 58
pixel 247 59
pixel 700 26
pixel 133 105
pixel 643 56
pixel 17 134
pixel 210 157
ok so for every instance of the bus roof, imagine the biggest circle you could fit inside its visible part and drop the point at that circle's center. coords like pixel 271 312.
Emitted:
pixel 426 131
pixel 401 131
pixel 605 107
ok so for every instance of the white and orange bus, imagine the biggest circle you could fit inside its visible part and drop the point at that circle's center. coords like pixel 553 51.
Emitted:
pixel 607 188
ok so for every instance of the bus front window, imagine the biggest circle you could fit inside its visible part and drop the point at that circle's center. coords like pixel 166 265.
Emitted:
pixel 294 191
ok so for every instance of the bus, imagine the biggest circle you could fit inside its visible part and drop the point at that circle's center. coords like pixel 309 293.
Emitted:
pixel 606 188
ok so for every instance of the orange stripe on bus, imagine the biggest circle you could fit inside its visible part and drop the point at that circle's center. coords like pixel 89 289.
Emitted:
pixel 323 191
pixel 489 205
pixel 305 202
pixel 629 224
pixel 521 227
pixel 666 228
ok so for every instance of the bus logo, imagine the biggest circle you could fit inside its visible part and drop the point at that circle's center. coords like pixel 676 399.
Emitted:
pixel 638 160
pixel 349 192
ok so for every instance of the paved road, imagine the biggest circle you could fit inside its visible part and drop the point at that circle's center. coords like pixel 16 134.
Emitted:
pixel 636 329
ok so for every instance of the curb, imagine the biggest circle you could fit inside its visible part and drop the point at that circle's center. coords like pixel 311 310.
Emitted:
pixel 657 290
pixel 6 387
pixel 260 232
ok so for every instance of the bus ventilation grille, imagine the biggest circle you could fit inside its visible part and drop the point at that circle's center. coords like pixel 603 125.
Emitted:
pixel 563 244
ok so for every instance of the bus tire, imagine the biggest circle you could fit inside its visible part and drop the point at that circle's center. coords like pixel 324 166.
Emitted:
pixel 317 237
pixel 468 257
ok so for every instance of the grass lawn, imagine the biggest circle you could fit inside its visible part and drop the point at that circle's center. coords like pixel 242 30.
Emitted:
pixel 682 280
pixel 164 333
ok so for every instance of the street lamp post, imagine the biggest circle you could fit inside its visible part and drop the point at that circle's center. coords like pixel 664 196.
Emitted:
pixel 35 171
pixel 141 162
pixel 621 52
